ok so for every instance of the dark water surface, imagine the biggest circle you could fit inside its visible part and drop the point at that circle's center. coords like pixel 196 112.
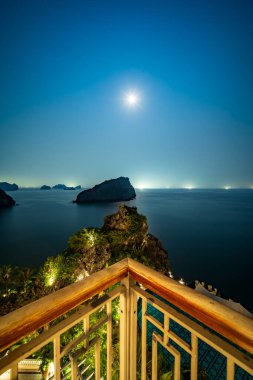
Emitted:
pixel 207 233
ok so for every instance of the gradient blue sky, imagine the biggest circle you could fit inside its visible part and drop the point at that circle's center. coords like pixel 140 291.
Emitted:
pixel 65 66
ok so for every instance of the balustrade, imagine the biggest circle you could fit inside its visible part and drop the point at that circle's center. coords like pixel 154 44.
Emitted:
pixel 135 323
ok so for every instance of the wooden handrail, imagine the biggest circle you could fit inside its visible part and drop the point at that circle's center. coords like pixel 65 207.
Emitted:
pixel 28 318
pixel 229 323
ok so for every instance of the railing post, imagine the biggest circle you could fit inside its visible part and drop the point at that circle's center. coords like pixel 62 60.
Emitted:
pixel 124 331
pixel 154 357
pixel 14 372
pixel 97 360
pixel 133 334
pixel 194 357
pixel 73 362
pixel 128 331
pixel 144 340
pixel 86 328
pixel 57 358
pixel 109 341
pixel 230 369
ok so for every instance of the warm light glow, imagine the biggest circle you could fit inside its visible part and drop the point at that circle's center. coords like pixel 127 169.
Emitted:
pixel 80 277
pixel 181 281
pixel 227 187
pixel 132 99
pixel 91 238
pixel 141 187
pixel 51 275
pixel 51 279
pixel 51 368
pixel 189 187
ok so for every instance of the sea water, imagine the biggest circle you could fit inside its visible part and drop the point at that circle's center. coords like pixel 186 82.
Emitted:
pixel 208 234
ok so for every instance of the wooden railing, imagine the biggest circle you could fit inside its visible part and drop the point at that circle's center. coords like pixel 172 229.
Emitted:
pixel 140 294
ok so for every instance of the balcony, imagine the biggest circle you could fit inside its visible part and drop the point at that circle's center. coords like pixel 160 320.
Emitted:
pixel 134 323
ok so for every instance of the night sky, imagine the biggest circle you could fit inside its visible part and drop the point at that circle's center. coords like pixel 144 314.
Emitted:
pixel 65 67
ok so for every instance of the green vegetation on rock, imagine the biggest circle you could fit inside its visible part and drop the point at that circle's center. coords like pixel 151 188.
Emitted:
pixel 123 234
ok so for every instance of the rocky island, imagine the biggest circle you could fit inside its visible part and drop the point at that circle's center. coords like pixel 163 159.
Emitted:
pixel 45 187
pixel 61 186
pixel 8 186
pixel 113 190
pixel 6 200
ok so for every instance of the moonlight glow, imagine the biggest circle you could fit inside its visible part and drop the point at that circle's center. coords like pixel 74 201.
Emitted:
pixel 132 99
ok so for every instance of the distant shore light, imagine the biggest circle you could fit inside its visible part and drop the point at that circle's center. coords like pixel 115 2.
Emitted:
pixel 145 185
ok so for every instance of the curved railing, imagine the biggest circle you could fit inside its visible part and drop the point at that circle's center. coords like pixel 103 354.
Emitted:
pixel 176 302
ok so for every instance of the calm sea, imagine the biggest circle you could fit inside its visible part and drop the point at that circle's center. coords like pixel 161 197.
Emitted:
pixel 208 233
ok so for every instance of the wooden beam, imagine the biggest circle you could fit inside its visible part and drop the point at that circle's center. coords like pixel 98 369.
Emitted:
pixel 47 336
pixel 25 320
pixel 229 323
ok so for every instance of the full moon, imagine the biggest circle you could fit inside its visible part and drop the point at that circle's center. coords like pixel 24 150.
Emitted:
pixel 132 99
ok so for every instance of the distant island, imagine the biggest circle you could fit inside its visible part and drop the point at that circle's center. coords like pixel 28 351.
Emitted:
pixel 61 186
pixel 113 190
pixel 6 200
pixel 8 186
pixel 45 187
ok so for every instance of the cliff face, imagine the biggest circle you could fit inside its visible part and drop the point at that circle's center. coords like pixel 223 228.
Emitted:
pixel 6 200
pixel 127 232
pixel 114 190
pixel 124 234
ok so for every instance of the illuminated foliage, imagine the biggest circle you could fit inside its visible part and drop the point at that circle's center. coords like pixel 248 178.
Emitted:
pixel 124 234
